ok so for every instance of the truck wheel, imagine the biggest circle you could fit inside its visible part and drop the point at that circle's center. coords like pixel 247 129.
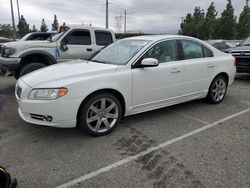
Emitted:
pixel 30 68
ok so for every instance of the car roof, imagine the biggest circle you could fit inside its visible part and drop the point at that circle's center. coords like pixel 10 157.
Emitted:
pixel 78 26
pixel 160 37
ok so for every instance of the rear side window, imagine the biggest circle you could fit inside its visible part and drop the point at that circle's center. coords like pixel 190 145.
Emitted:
pixel 80 37
pixel 103 38
pixel 194 50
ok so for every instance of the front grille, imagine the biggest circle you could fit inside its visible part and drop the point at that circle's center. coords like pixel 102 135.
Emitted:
pixel 241 53
pixel 18 92
pixel 243 61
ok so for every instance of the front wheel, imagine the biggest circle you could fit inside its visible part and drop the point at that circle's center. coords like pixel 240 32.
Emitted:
pixel 100 114
pixel 217 90
pixel 30 68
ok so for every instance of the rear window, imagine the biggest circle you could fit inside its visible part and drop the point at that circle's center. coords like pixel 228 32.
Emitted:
pixel 103 38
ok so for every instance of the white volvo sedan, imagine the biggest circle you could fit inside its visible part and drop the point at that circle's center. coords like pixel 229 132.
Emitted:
pixel 130 76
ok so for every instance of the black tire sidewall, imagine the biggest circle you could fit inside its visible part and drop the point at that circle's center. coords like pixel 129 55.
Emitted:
pixel 210 98
pixel 30 68
pixel 85 106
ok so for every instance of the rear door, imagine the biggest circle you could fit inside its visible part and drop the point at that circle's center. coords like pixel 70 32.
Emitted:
pixel 79 43
pixel 198 68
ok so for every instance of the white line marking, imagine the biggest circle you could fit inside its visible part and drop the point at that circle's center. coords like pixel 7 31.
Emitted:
pixel 239 86
pixel 196 119
pixel 152 149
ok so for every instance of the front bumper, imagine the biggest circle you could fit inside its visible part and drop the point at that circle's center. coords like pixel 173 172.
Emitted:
pixel 62 110
pixel 9 63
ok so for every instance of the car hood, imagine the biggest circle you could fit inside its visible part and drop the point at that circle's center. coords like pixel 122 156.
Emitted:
pixel 22 45
pixel 240 48
pixel 63 74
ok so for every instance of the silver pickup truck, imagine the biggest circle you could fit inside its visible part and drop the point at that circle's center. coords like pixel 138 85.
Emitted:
pixel 74 42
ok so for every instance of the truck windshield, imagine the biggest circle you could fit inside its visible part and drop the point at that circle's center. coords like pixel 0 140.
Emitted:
pixel 55 37
pixel 247 42
pixel 120 52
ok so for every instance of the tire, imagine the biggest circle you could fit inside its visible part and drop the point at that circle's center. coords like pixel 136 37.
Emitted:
pixel 100 114
pixel 217 90
pixel 30 68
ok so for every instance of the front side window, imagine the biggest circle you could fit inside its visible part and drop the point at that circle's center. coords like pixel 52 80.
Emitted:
pixel 103 38
pixel 166 51
pixel 194 50
pixel 80 37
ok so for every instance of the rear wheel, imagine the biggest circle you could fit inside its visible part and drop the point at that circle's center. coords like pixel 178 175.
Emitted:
pixel 217 90
pixel 30 68
pixel 100 114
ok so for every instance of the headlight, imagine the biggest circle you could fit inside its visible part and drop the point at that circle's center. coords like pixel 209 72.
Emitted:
pixel 9 51
pixel 47 94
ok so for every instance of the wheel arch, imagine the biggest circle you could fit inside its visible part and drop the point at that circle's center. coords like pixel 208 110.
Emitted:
pixel 114 92
pixel 34 56
pixel 224 74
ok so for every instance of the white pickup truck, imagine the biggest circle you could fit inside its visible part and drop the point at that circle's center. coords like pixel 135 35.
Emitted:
pixel 75 42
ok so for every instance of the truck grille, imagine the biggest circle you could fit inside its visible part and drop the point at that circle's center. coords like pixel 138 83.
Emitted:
pixel 18 92
pixel 242 58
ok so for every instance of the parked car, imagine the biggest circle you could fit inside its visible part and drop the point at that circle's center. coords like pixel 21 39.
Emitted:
pixel 130 76
pixel 242 55
pixel 4 40
pixel 38 36
pixel 75 42
pixel 219 44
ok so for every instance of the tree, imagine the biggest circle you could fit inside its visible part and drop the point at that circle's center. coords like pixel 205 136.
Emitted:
pixel 55 24
pixel 23 27
pixel 193 25
pixel 43 27
pixel 34 29
pixel 227 29
pixel 6 30
pixel 210 22
pixel 243 26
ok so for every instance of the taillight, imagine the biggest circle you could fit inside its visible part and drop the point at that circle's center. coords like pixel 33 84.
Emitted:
pixel 234 61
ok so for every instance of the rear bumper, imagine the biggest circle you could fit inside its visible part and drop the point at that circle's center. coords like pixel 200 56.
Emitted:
pixel 9 64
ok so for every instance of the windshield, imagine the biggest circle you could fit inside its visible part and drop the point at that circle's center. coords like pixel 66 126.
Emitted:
pixel 247 42
pixel 25 37
pixel 120 52
pixel 55 37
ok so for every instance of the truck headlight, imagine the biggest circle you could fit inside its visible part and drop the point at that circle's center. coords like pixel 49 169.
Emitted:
pixel 47 94
pixel 9 51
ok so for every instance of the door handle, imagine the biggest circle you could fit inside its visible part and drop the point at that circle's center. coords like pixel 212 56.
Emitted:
pixel 210 65
pixel 175 70
pixel 89 49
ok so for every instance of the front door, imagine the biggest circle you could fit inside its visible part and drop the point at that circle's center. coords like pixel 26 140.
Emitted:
pixel 79 45
pixel 155 87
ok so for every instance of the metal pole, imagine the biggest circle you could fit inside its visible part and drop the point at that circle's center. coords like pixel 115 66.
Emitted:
pixel 18 11
pixel 13 21
pixel 107 14
pixel 125 22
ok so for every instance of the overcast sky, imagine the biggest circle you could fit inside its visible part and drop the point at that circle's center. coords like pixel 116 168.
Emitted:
pixel 155 16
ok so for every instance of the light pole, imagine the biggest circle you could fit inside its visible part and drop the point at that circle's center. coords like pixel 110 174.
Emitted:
pixel 18 11
pixel 107 14
pixel 13 20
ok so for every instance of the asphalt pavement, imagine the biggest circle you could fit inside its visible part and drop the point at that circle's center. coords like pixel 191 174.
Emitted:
pixel 191 145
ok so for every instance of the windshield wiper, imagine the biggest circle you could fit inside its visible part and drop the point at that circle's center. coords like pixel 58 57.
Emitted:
pixel 96 61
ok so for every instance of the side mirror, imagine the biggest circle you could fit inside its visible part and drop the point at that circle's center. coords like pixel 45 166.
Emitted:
pixel 64 46
pixel 149 62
